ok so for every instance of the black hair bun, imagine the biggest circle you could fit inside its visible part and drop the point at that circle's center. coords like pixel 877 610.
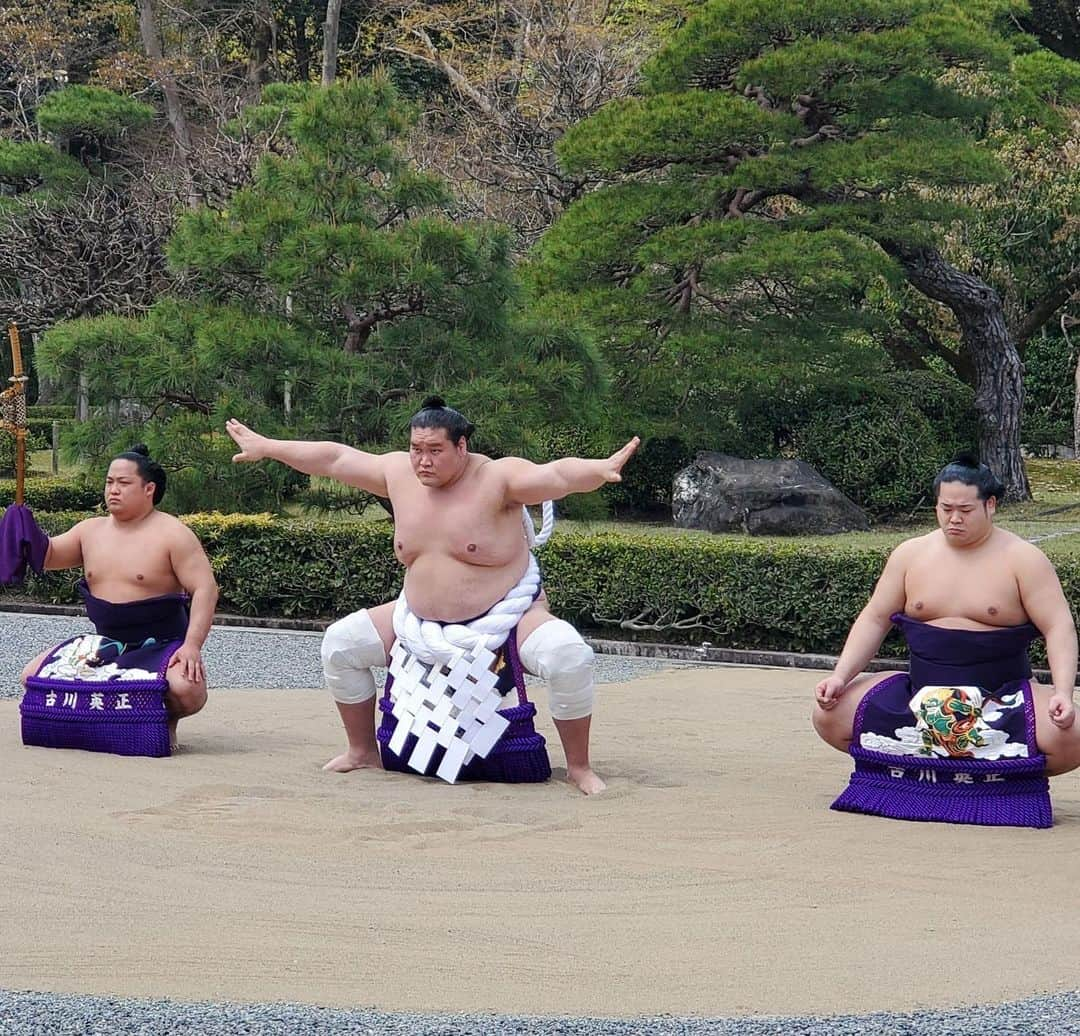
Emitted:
pixel 966 459
pixel 140 448
pixel 434 403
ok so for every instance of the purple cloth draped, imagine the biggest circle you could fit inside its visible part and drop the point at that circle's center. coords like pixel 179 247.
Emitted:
pixel 22 543
pixel 138 634
pixel 926 747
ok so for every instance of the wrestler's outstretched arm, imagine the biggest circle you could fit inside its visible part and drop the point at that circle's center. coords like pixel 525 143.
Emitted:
pixel 1044 601
pixel 528 483
pixel 869 629
pixel 353 467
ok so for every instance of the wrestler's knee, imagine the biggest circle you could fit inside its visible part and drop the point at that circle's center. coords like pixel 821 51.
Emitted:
pixel 556 652
pixel 350 647
pixel 832 727
pixel 1061 747
pixel 822 719
pixel 186 696
pixel 32 667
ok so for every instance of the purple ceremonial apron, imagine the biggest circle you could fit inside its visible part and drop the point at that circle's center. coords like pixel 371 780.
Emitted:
pixel 954 740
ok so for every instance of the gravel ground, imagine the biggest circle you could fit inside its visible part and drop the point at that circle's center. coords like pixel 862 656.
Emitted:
pixel 23 1014
pixel 238 657
pixel 243 658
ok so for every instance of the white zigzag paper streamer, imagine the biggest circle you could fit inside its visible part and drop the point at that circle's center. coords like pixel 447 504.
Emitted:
pixel 450 706
pixel 444 687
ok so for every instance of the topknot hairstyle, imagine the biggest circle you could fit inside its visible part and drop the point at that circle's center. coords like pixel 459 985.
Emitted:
pixel 434 413
pixel 966 468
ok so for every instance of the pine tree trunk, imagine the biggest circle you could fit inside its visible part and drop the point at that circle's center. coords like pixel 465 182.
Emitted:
pixel 302 47
pixel 330 41
pixel 263 44
pixel 999 387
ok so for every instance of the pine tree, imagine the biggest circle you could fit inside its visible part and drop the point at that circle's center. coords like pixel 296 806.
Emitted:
pixel 788 166
pixel 327 298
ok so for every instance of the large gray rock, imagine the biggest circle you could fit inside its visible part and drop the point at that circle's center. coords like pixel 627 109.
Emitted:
pixel 762 497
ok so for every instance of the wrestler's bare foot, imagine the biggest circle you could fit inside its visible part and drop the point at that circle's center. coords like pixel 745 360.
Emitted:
pixel 354 759
pixel 583 778
pixel 174 744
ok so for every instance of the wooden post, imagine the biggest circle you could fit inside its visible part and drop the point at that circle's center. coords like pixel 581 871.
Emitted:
pixel 82 407
pixel 18 398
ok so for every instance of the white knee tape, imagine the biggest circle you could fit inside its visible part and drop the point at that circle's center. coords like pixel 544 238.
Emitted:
pixel 555 652
pixel 350 647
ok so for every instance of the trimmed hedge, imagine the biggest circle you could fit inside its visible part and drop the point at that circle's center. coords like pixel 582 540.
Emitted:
pixel 59 411
pixel 733 592
pixel 8 449
pixel 55 494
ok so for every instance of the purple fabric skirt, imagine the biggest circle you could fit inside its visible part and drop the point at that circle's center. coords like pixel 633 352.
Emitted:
pixel 519 756
pixel 953 754
pixel 105 692
pixel 982 658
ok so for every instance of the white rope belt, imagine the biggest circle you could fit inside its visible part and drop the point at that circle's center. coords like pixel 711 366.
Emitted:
pixel 444 687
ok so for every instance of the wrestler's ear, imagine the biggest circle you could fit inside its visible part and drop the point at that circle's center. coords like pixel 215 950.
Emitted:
pixel 991 505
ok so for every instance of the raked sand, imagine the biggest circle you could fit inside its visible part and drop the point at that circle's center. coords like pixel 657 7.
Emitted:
pixel 711 878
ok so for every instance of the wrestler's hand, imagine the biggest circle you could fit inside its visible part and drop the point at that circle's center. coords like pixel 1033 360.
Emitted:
pixel 614 464
pixel 252 445
pixel 828 691
pixel 189 659
pixel 1062 710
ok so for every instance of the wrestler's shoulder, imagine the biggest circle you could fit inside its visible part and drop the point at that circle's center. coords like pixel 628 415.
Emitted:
pixel 914 546
pixel 165 524
pixel 500 467
pixel 395 462
pixel 88 526
pixel 1019 549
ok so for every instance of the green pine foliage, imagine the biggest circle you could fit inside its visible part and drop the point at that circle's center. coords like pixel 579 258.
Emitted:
pixel 339 279
pixel 92 111
pixel 31 171
pixel 753 196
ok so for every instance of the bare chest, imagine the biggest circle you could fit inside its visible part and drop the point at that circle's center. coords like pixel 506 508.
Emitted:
pixel 467 525
pixel 975 588
pixel 128 566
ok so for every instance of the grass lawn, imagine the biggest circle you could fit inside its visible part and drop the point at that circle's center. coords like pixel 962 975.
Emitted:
pixel 39 465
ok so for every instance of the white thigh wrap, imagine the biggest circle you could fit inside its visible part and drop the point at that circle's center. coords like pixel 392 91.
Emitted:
pixel 555 652
pixel 350 647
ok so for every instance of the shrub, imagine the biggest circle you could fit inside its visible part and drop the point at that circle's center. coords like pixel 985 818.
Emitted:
pixel 55 494
pixel 197 458
pixel 733 591
pixel 1049 393
pixel 52 412
pixel 552 442
pixel 42 428
pixel 646 485
pixel 7 449
pixel 647 479
pixel 884 447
